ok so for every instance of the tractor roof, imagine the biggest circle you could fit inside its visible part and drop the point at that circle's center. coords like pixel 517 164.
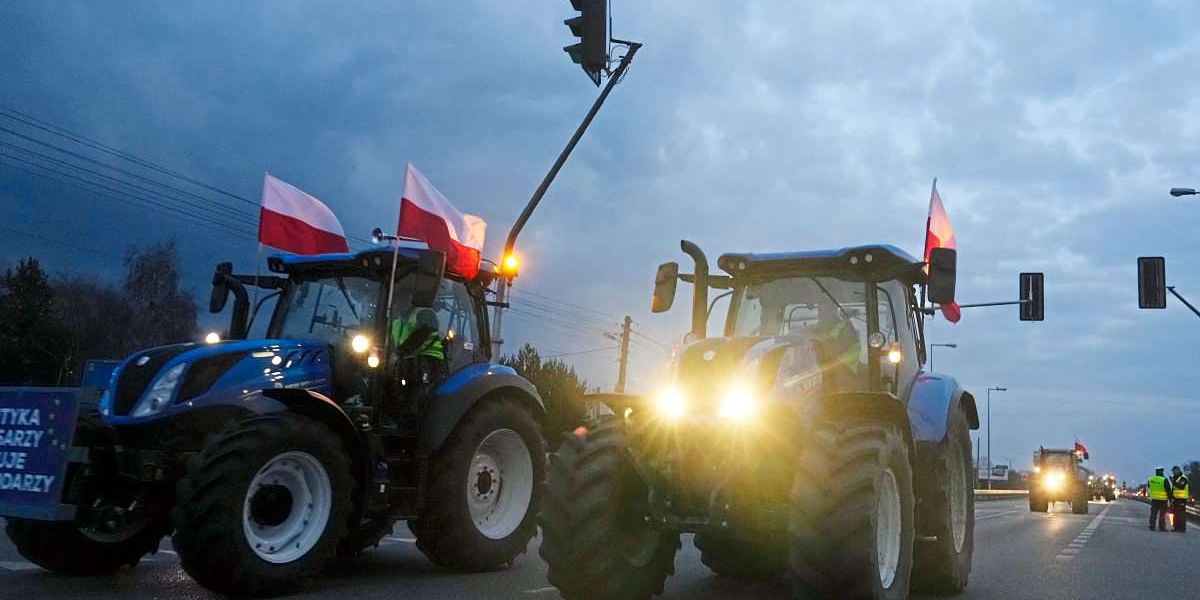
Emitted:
pixel 373 258
pixel 877 261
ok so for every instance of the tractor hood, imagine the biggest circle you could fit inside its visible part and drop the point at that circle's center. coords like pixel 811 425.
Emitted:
pixel 776 367
pixel 155 383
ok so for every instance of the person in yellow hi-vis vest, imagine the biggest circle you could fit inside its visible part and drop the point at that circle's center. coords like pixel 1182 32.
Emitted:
pixel 1180 492
pixel 1159 489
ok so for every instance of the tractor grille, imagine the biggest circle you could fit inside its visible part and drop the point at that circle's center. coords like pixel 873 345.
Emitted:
pixel 134 379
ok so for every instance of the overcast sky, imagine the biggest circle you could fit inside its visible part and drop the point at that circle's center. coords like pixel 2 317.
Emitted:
pixel 1055 130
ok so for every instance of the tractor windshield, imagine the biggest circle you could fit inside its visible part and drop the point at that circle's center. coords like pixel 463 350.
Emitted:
pixel 787 305
pixel 328 307
pixel 1061 461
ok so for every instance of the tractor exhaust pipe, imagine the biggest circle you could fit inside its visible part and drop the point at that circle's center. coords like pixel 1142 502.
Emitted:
pixel 699 288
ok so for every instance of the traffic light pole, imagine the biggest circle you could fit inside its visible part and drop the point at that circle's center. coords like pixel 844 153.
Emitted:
pixel 1171 288
pixel 505 282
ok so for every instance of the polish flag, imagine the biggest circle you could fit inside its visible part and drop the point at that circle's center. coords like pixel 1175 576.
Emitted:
pixel 425 214
pixel 293 221
pixel 939 234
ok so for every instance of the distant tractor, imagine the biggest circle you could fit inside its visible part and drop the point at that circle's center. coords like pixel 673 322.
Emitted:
pixel 808 439
pixel 1103 487
pixel 1059 476
pixel 371 400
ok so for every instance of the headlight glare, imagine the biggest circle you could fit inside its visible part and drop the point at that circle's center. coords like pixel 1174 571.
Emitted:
pixel 160 392
pixel 671 403
pixel 739 404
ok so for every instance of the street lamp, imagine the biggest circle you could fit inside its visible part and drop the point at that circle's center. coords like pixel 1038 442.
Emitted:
pixel 989 431
pixel 1177 192
pixel 932 346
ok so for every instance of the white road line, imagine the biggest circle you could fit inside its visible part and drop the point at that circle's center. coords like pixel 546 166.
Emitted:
pixel 541 590
pixel 1076 546
pixel 391 539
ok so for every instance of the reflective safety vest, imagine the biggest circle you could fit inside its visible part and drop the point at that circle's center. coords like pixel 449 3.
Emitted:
pixel 1158 487
pixel 1180 489
pixel 403 328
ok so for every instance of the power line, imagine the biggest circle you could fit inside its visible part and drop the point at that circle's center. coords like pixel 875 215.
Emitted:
pixel 562 312
pixel 45 126
pixel 608 316
pixel 593 350
pixel 216 218
pixel 89 160
pixel 124 196
pixel 60 242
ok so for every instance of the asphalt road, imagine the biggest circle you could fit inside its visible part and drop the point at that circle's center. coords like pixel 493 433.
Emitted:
pixel 1108 553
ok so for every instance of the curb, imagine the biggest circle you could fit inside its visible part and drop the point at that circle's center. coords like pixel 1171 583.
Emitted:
pixel 989 495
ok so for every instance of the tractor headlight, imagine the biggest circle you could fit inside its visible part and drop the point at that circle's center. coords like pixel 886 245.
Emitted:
pixel 739 403
pixel 161 392
pixel 1054 480
pixel 360 344
pixel 670 403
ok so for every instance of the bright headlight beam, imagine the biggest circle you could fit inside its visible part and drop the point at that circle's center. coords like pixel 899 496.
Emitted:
pixel 671 403
pixel 739 404
pixel 360 343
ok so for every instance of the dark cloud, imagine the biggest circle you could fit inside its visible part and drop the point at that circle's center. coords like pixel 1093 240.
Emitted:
pixel 1055 130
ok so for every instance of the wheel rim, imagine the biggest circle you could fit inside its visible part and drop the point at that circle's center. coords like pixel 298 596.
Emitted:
pixel 887 532
pixel 287 507
pixel 958 504
pixel 500 484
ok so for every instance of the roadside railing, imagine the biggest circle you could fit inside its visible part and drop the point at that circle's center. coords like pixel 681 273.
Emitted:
pixel 986 495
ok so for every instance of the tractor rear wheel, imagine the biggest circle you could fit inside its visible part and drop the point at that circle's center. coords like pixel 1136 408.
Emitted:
pixel 852 523
pixel 595 541
pixel 741 558
pixel 1079 504
pixel 944 564
pixel 263 506
pixel 485 489
pixel 105 536
pixel 1038 504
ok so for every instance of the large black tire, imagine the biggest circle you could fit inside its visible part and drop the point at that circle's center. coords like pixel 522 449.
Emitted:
pixel 943 565
pixel 595 542
pixel 63 548
pixel 744 559
pixel 842 473
pixel 1079 504
pixel 1038 504
pixel 445 529
pixel 212 497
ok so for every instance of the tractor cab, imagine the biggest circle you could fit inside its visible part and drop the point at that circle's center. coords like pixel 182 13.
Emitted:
pixel 393 323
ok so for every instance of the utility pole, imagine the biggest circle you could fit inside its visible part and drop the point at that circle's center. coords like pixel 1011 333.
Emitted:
pixel 624 358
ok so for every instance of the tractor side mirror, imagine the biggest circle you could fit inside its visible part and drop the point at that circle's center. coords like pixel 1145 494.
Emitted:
pixel 666 281
pixel 1152 282
pixel 430 269
pixel 1033 303
pixel 220 289
pixel 943 269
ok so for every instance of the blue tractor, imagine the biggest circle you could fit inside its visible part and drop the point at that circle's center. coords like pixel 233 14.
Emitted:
pixel 373 399
pixel 808 439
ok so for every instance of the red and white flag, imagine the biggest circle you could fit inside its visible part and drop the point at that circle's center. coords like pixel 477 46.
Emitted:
pixel 294 221
pixel 940 234
pixel 425 214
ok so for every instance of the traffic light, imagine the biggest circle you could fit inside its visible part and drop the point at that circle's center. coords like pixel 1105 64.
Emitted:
pixel 1034 306
pixel 1152 282
pixel 591 27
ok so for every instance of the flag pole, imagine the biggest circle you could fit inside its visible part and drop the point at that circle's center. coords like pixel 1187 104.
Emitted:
pixel 257 271
pixel 925 242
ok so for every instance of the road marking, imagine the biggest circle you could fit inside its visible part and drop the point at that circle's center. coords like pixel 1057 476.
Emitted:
pixel 992 515
pixel 17 565
pixel 541 590
pixel 1076 546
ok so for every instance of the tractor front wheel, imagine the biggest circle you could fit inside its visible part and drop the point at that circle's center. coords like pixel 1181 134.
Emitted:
pixel 596 541
pixel 852 523
pixel 943 564
pixel 263 506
